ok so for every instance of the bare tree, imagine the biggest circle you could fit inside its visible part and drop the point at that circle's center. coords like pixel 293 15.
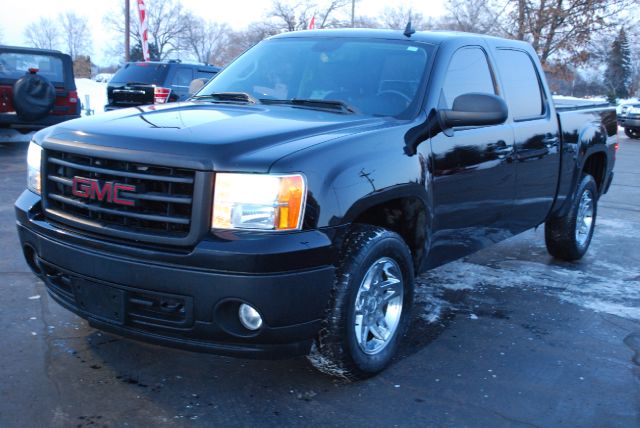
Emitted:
pixel 474 16
pixel 42 34
pixel 558 30
pixel 243 40
pixel 562 28
pixel 76 34
pixel 397 18
pixel 366 22
pixel 206 41
pixel 292 16
pixel 166 22
pixel 327 12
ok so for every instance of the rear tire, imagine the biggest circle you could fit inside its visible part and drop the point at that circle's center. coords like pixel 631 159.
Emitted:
pixel 370 305
pixel 632 133
pixel 568 237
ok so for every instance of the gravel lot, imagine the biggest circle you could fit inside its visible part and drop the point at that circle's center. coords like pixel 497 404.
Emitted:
pixel 506 337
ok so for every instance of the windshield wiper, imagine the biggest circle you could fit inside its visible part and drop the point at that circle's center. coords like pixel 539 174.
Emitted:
pixel 233 97
pixel 320 104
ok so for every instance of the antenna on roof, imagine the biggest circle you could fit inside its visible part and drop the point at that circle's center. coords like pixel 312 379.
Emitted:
pixel 408 30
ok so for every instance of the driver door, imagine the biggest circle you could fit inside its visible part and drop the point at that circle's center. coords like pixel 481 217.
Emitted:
pixel 473 173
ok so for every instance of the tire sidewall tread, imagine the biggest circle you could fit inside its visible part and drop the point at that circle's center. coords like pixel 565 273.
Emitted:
pixel 560 237
pixel 336 351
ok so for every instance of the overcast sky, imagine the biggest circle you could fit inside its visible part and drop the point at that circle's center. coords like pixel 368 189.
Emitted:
pixel 17 14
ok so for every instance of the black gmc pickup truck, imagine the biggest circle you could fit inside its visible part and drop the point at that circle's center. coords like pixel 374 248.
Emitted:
pixel 287 208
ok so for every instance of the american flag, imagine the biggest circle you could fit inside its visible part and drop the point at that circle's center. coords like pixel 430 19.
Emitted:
pixel 142 14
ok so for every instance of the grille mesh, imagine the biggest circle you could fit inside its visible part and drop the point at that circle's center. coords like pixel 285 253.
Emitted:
pixel 162 200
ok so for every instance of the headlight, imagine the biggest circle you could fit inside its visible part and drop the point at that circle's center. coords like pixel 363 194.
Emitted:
pixel 258 201
pixel 34 160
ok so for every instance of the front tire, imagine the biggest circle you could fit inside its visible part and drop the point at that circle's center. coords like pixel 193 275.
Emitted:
pixel 568 237
pixel 370 305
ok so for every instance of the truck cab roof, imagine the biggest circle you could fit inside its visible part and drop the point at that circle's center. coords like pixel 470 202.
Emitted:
pixel 431 37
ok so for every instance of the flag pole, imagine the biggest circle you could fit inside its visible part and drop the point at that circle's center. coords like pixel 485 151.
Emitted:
pixel 127 25
pixel 353 13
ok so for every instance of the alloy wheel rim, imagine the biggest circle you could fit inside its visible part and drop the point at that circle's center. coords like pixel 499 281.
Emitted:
pixel 378 306
pixel 584 220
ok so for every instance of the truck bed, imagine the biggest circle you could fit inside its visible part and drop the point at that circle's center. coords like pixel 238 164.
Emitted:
pixel 571 103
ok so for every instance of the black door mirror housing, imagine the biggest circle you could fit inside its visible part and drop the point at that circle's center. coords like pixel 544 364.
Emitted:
pixel 474 109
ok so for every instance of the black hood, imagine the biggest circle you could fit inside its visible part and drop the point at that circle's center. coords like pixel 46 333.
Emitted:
pixel 204 136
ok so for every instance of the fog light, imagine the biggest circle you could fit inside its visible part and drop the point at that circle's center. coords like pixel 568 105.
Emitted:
pixel 249 317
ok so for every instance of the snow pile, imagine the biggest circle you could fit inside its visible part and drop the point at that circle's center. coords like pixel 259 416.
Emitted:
pixel 97 93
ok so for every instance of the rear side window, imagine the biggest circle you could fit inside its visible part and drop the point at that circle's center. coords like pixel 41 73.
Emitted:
pixel 468 72
pixel 182 77
pixel 141 72
pixel 204 74
pixel 521 84
pixel 14 65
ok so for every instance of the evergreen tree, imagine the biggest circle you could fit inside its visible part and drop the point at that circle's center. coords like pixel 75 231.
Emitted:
pixel 627 65
pixel 136 52
pixel 617 77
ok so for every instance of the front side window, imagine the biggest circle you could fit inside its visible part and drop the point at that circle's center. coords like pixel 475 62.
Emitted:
pixel 468 72
pixel 374 77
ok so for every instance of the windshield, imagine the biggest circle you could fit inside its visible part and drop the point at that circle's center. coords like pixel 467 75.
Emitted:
pixel 379 77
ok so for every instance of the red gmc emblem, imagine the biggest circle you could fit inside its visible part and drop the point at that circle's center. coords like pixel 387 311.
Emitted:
pixel 109 191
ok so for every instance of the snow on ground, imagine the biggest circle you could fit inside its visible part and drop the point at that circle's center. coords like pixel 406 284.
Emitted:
pixel 97 93
pixel 595 284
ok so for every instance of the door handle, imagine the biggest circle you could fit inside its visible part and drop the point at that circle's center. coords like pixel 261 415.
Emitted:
pixel 532 154
pixel 550 142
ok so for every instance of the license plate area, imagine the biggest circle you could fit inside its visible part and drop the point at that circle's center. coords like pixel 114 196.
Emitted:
pixel 99 300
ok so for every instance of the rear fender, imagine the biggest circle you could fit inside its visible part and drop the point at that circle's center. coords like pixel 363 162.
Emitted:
pixel 592 139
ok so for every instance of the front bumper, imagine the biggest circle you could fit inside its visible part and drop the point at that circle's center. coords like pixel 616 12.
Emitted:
pixel 187 298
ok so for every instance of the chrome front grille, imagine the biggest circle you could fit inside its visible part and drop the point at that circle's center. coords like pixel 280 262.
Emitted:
pixel 112 195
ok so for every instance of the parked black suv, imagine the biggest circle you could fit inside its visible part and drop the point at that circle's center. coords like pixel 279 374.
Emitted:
pixel 142 83
pixel 37 89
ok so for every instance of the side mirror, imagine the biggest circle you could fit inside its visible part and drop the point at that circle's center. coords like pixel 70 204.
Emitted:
pixel 196 85
pixel 474 109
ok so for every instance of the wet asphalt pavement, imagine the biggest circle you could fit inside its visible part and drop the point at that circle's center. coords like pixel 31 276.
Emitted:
pixel 506 337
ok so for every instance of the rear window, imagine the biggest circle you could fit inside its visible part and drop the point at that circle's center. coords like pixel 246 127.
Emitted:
pixel 521 84
pixel 14 65
pixel 141 72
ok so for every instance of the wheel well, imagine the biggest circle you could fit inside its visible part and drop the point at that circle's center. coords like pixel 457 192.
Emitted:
pixel 595 166
pixel 405 216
